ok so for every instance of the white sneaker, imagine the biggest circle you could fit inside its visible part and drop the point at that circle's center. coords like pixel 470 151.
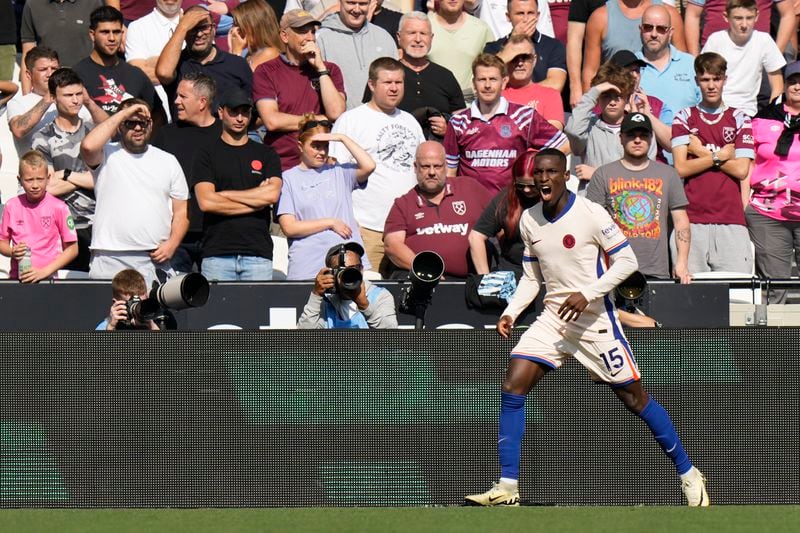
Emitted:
pixel 694 488
pixel 499 494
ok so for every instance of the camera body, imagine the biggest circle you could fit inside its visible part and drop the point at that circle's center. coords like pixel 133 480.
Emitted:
pixel 141 311
pixel 346 279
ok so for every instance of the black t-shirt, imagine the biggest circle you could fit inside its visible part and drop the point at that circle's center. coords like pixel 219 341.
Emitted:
pixel 8 23
pixel 236 168
pixel 491 222
pixel 434 86
pixel 109 86
pixel 581 10
pixel 184 141
pixel 388 20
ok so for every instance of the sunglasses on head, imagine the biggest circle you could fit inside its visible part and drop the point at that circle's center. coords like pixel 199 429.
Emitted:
pixel 314 123
pixel 662 30
pixel 132 124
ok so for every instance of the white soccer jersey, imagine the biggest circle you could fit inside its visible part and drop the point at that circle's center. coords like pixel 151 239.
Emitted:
pixel 569 254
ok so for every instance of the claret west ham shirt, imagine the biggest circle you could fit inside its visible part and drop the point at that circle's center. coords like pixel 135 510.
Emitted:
pixel 486 149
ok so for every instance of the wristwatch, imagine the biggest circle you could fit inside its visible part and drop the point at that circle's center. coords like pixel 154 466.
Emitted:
pixel 324 73
pixel 66 175
pixel 715 158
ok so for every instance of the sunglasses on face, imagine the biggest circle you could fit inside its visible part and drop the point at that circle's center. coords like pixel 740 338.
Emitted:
pixel 132 124
pixel 522 186
pixel 525 57
pixel 314 123
pixel 661 30
pixel 201 29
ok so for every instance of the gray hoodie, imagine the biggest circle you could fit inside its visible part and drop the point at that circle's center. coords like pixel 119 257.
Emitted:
pixel 593 140
pixel 353 51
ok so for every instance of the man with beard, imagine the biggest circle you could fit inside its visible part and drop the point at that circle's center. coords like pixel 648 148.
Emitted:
pixel 196 30
pixel 436 215
pixel 109 79
pixel 296 82
pixel 667 73
pixel 141 193
pixel 432 89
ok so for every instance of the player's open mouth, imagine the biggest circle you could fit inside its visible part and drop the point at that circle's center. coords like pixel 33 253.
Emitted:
pixel 545 191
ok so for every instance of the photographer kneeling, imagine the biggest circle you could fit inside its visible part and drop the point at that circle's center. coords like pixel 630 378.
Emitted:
pixel 126 285
pixel 342 298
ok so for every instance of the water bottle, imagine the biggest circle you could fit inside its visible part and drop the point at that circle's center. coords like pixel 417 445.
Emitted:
pixel 25 263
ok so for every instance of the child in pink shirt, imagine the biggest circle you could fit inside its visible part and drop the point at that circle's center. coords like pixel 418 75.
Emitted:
pixel 39 222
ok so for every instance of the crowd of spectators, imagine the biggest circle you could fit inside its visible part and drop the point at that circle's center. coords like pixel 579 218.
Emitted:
pixel 183 135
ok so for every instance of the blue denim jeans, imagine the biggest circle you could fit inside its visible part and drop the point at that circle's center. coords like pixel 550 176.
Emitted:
pixel 237 268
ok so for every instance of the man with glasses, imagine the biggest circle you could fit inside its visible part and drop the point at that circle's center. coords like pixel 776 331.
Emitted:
pixel 614 27
pixel 551 69
pixel 520 57
pixel 334 306
pixel 296 82
pixel 236 182
pixel 667 73
pixel 141 193
pixel 196 30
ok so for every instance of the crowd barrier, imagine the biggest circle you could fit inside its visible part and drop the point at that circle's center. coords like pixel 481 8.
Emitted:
pixel 80 305
pixel 379 418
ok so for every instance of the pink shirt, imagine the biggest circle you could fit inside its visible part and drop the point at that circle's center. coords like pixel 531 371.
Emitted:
pixel 775 181
pixel 546 101
pixel 43 227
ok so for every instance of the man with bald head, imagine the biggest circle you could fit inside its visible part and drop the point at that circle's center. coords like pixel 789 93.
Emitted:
pixel 669 73
pixel 614 27
pixel 437 214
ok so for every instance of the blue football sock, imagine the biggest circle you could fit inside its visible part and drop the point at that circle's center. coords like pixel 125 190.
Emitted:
pixel 509 435
pixel 660 424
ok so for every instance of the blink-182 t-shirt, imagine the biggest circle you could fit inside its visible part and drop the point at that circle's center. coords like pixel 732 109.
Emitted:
pixel 639 201
pixel 236 168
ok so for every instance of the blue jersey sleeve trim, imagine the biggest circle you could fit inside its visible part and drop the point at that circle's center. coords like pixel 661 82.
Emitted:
pixel 618 247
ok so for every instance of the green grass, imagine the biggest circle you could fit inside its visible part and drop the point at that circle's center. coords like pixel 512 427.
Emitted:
pixel 727 519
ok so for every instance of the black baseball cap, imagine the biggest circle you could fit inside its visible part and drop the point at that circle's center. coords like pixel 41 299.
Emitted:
pixel 349 246
pixel 636 121
pixel 626 58
pixel 236 97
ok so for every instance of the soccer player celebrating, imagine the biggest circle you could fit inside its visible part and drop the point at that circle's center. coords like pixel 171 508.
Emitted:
pixel 564 235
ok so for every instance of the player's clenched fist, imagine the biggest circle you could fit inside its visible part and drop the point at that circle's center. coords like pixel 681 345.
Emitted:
pixel 504 326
